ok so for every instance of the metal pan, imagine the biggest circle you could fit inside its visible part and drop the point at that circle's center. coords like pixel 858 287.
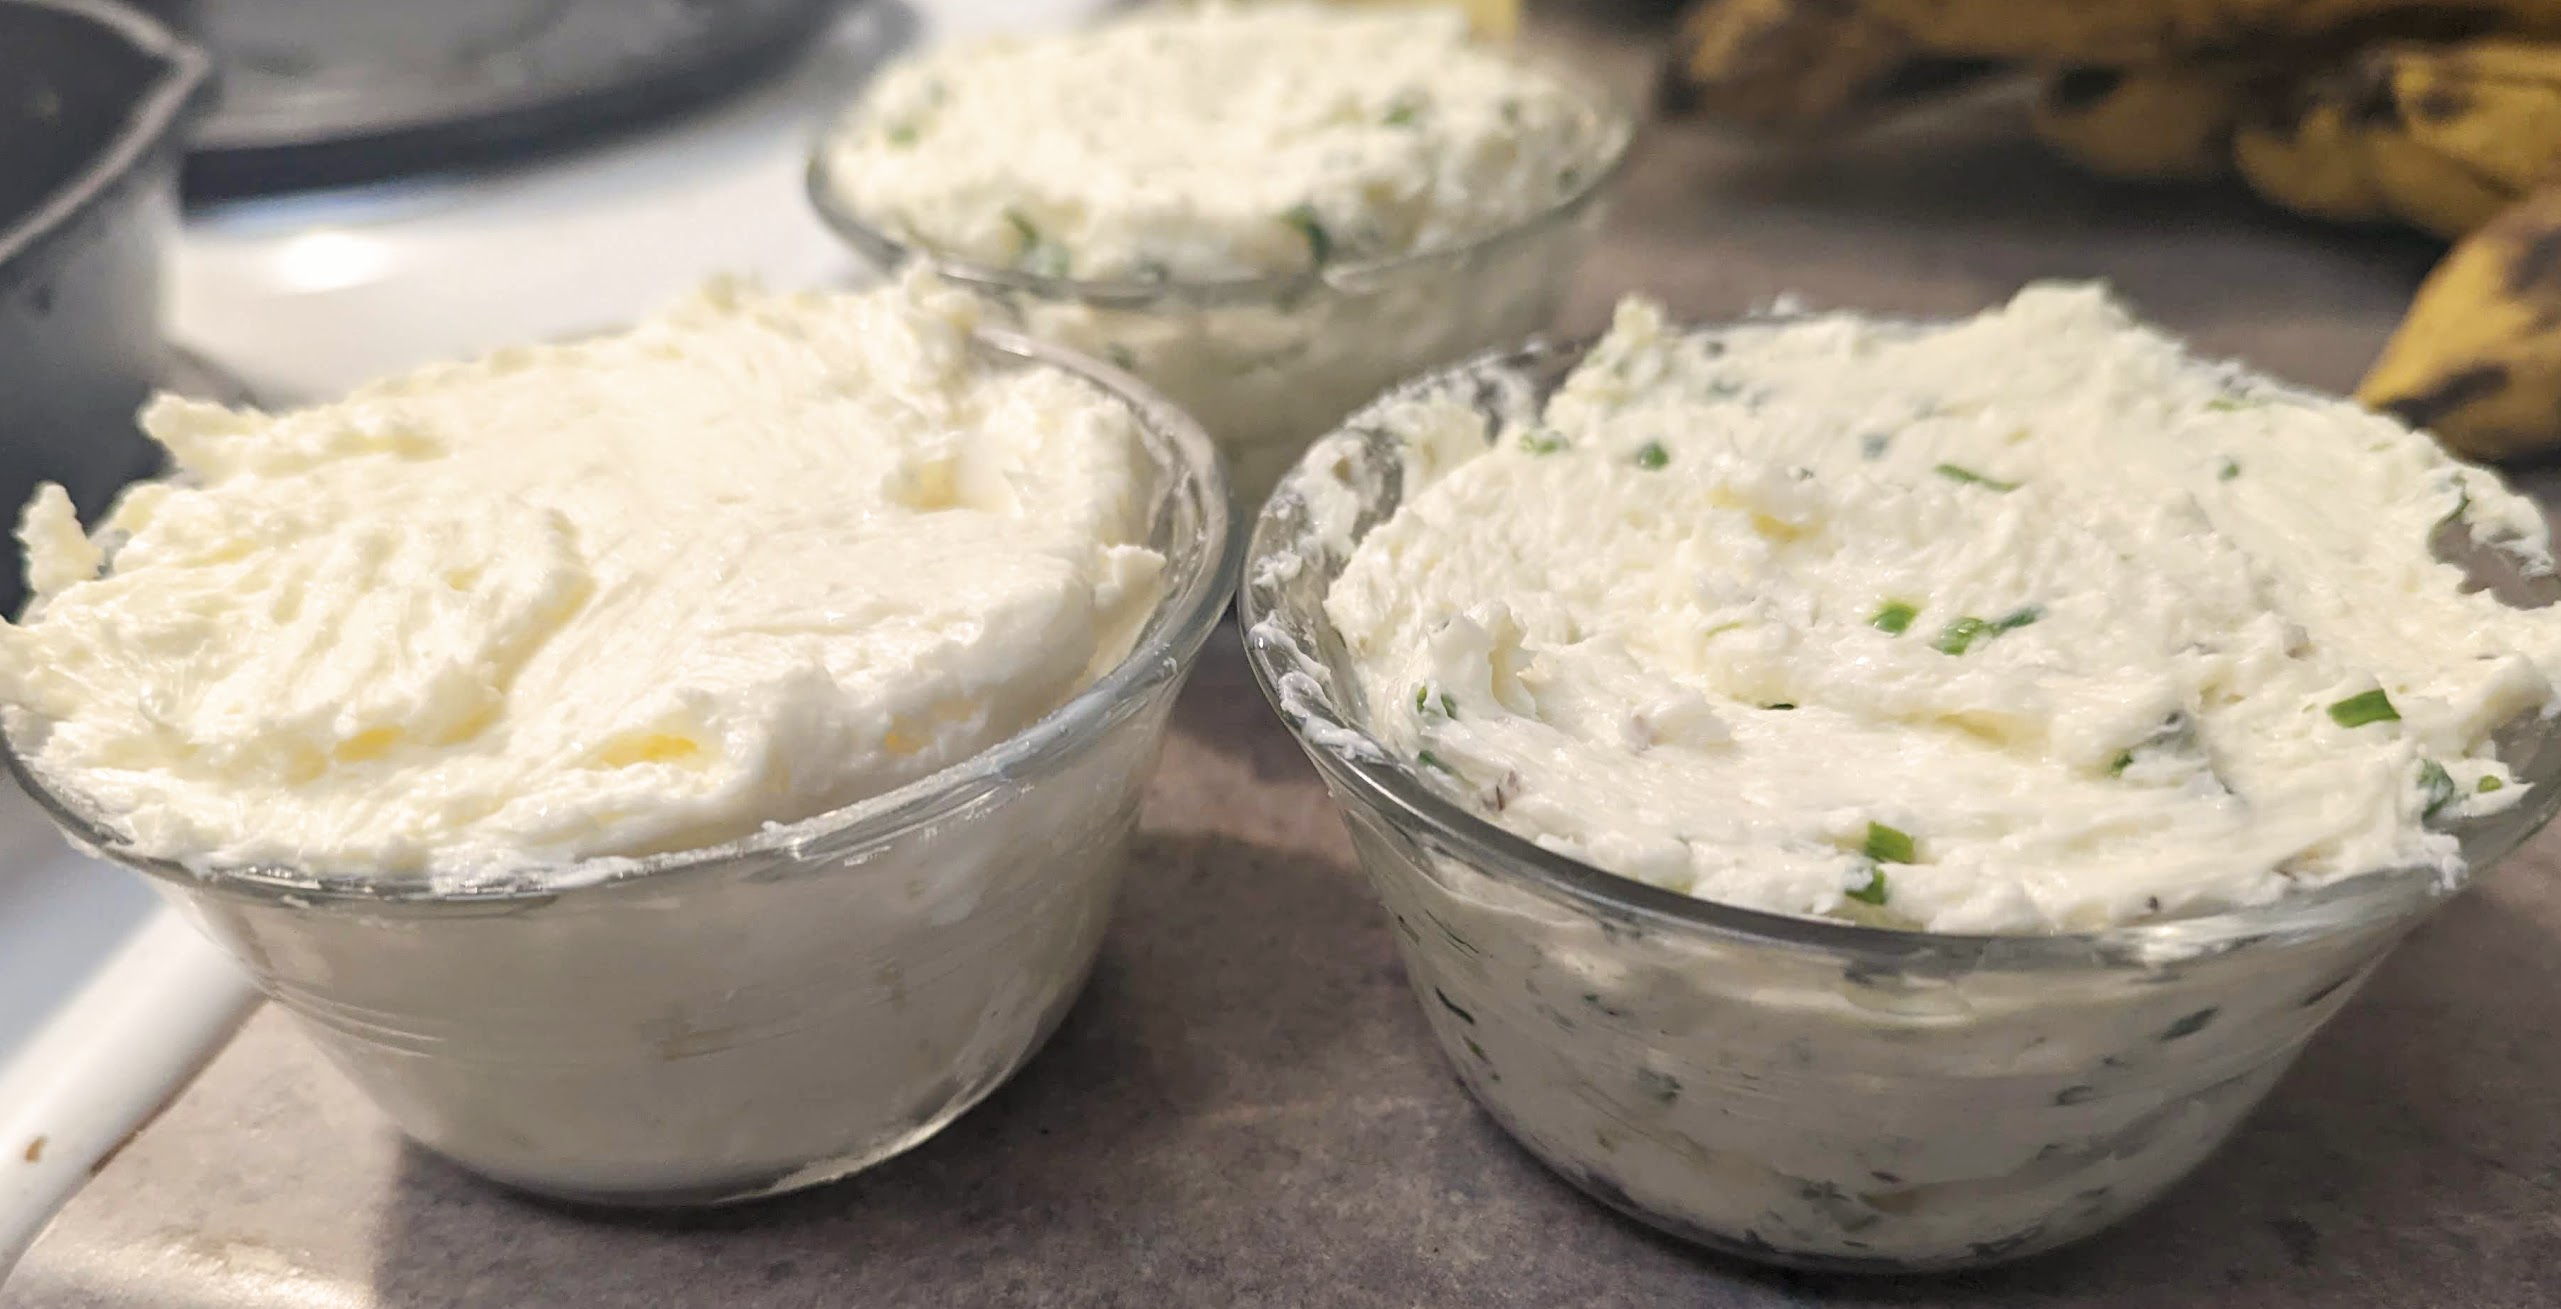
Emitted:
pixel 92 99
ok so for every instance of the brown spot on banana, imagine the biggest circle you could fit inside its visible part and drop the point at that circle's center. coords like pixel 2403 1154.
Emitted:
pixel 2449 395
pixel 1799 65
pixel 2478 358
pixel 2535 268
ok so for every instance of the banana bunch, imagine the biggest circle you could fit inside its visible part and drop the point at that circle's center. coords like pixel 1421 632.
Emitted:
pixel 1790 66
pixel 2478 359
pixel 2442 137
pixel 2444 115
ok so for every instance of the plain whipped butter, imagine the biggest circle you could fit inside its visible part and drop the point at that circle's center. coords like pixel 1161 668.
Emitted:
pixel 753 559
pixel 1214 142
pixel 2025 623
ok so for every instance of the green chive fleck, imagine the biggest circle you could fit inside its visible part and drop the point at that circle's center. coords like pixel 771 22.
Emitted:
pixel 1895 617
pixel 1888 845
pixel 1040 255
pixel 1871 891
pixel 2124 760
pixel 1783 704
pixel 1652 456
pixel 1872 446
pixel 1320 243
pixel 2229 469
pixel 1960 473
pixel 1544 441
pixel 1429 760
pixel 2489 782
pixel 901 135
pixel 1401 114
pixel 2018 618
pixel 1449 707
pixel 2367 707
pixel 1422 697
pixel 2436 785
pixel 1957 637
pixel 2224 404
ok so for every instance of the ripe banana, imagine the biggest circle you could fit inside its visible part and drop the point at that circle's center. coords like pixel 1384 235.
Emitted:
pixel 2165 121
pixel 2478 359
pixel 2492 106
pixel 1797 65
pixel 2440 136
pixel 2307 157
pixel 2124 33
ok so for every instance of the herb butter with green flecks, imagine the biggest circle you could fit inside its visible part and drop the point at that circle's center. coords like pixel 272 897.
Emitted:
pixel 1214 143
pixel 2026 623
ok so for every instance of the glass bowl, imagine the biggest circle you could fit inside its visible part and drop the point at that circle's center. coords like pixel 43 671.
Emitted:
pixel 1796 1091
pixel 1268 364
pixel 757 1016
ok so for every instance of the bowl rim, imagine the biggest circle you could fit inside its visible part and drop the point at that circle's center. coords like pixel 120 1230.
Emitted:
pixel 1616 114
pixel 1365 772
pixel 1163 651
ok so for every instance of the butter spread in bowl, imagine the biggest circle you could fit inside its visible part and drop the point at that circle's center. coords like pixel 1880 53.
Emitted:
pixel 674 766
pixel 1892 796
pixel 2024 624
pixel 1269 211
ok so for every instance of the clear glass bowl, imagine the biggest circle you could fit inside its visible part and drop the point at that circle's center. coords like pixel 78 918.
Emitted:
pixel 1796 1091
pixel 1269 364
pixel 762 1015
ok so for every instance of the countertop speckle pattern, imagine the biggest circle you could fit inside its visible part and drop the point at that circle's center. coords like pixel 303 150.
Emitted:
pixel 1245 1109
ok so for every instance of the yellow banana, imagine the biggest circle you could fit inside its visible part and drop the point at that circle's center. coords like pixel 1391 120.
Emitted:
pixel 2439 136
pixel 1788 65
pixel 2429 190
pixel 2306 156
pixel 2493 107
pixel 2478 359
pixel 2123 33
pixel 2165 121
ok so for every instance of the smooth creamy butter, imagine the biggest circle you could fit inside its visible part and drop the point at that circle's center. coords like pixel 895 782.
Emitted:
pixel 1363 159
pixel 2154 618
pixel 1212 143
pixel 754 559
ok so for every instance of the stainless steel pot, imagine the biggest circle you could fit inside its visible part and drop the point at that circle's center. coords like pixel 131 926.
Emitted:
pixel 92 99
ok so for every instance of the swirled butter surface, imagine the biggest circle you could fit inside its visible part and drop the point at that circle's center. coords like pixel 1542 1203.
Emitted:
pixel 1215 142
pixel 2026 623
pixel 754 559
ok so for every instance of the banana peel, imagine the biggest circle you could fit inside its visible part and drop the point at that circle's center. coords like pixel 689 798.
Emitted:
pixel 2171 121
pixel 2478 359
pixel 2308 158
pixel 2492 107
pixel 1788 66
pixel 2442 137
pixel 2124 33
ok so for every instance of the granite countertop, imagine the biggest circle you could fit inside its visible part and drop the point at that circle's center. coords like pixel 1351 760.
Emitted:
pixel 1245 1108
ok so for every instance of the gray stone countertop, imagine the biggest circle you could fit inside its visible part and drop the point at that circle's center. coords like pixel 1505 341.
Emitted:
pixel 1246 1109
